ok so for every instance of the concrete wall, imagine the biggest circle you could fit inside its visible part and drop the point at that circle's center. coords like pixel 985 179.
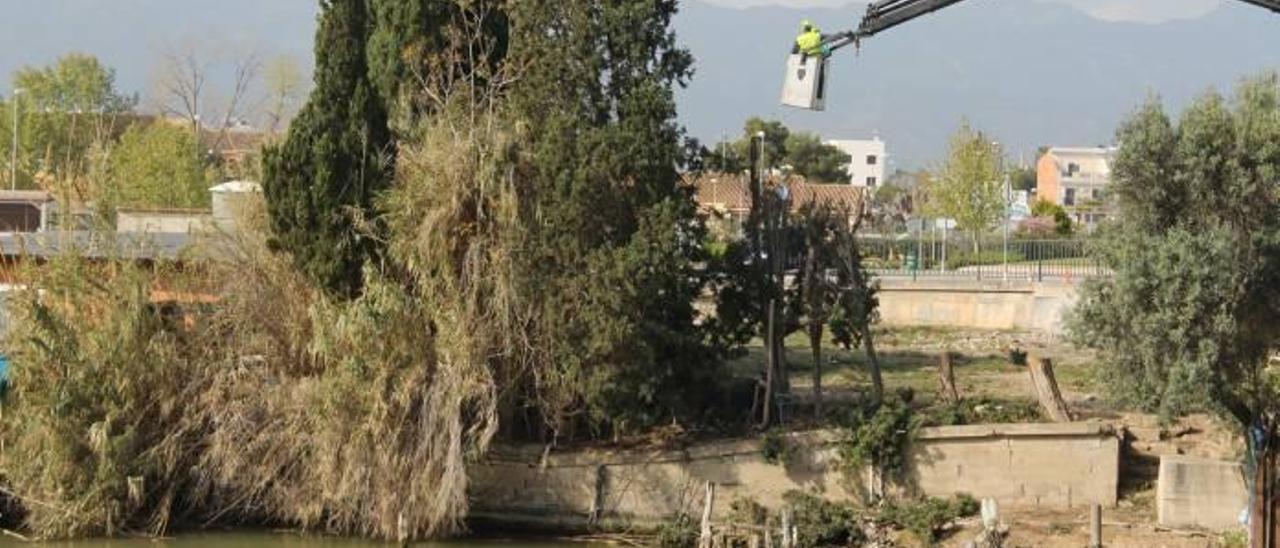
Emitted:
pixel 161 221
pixel 1195 492
pixel 1040 306
pixel 1042 464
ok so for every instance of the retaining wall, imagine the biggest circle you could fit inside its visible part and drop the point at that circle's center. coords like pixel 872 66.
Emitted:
pixel 975 304
pixel 1054 465
pixel 1196 492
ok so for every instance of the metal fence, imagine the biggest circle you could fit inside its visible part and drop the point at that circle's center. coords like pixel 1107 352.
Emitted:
pixel 1035 260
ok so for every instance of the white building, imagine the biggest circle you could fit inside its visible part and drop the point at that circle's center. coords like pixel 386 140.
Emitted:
pixel 867 168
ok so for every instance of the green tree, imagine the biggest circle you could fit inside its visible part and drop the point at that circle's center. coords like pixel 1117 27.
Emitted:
pixel 1061 219
pixel 816 160
pixel 157 166
pixel 65 110
pixel 613 236
pixel 969 186
pixel 1190 319
pixel 321 182
pixel 1023 178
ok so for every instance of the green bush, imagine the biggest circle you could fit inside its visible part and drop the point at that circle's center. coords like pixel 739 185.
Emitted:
pixel 879 436
pixel 927 517
pixel 819 522
pixel 776 449
pixel 982 258
pixel 981 411
pixel 679 532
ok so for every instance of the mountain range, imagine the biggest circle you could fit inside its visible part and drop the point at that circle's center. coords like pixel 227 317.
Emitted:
pixel 1028 73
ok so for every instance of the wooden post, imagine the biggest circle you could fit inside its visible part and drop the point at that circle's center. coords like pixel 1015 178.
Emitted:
pixel 947 378
pixel 708 502
pixel 754 542
pixel 1095 526
pixel 1047 392
pixel 787 541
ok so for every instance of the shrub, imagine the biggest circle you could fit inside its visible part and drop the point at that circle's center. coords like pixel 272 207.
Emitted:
pixel 927 518
pixel 819 522
pixel 678 532
pixel 878 436
pixel 776 448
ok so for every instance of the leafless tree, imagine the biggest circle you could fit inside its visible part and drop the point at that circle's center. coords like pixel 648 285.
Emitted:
pixel 284 89
pixel 182 86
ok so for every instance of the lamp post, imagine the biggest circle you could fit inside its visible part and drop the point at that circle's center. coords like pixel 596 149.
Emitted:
pixel 13 148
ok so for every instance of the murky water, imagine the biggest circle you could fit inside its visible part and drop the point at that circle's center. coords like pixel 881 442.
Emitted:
pixel 280 540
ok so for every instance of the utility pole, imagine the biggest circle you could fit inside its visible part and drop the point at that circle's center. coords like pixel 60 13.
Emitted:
pixel 13 150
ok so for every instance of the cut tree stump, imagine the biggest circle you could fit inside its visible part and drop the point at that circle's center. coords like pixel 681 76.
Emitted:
pixel 947 378
pixel 1046 386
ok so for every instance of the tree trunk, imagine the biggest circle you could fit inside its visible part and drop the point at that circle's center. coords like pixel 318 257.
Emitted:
pixel 1046 386
pixel 947 379
pixel 815 342
pixel 873 362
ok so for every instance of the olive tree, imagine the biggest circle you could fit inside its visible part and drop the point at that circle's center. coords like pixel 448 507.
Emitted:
pixel 1191 317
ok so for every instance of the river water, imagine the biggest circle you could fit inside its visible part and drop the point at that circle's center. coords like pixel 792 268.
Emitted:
pixel 281 540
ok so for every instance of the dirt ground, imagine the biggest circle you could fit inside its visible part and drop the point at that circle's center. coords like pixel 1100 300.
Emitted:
pixel 909 358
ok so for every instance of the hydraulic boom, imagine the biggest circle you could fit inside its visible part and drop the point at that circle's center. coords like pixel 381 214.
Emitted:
pixel 886 14
pixel 806 81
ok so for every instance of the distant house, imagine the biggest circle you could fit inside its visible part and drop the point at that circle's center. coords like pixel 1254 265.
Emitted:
pixel 24 210
pixel 726 198
pixel 867 166
pixel 227 200
pixel 1077 178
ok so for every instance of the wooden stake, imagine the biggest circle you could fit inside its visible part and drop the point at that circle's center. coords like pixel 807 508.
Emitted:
pixel 1047 392
pixel 708 502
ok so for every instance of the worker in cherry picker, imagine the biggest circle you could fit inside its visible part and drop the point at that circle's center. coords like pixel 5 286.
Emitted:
pixel 811 41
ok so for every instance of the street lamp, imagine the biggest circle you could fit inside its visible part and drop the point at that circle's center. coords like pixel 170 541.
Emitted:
pixel 13 150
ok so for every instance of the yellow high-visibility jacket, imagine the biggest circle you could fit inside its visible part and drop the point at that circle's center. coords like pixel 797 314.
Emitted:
pixel 810 42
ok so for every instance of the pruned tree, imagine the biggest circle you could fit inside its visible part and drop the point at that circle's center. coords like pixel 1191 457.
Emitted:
pixel 1191 318
pixel 855 313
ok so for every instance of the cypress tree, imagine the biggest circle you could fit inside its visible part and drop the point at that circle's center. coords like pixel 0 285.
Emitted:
pixel 613 233
pixel 338 155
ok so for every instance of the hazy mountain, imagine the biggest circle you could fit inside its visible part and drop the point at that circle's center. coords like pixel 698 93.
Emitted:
pixel 1030 73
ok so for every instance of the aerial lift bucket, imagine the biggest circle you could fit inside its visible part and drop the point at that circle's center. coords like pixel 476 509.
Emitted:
pixel 806 82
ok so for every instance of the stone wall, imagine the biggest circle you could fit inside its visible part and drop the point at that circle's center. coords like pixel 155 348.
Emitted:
pixel 1196 492
pixel 976 304
pixel 1039 464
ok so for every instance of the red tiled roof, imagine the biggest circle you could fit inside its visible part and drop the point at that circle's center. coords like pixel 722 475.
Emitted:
pixel 729 192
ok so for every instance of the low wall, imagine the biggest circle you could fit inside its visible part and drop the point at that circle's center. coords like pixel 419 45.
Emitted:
pixel 1195 492
pixel 1038 464
pixel 1039 306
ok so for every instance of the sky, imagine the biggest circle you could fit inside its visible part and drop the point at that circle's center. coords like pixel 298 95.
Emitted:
pixel 1146 11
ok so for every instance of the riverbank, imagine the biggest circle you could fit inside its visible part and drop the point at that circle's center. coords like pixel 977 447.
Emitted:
pixel 268 539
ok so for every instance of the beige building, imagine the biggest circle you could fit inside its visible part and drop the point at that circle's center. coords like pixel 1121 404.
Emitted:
pixel 1077 178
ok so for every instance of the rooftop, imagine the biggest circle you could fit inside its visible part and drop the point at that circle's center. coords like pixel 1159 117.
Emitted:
pixel 731 192
pixel 95 245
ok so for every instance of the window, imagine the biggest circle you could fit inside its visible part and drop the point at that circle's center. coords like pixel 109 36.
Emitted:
pixel 871 160
pixel 1097 194
pixel 1073 169
pixel 1069 198
pixel 871 181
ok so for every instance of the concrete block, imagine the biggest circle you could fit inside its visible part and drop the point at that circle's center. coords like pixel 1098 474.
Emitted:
pixel 1195 492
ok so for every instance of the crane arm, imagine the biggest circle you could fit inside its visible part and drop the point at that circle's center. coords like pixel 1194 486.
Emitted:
pixel 886 14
